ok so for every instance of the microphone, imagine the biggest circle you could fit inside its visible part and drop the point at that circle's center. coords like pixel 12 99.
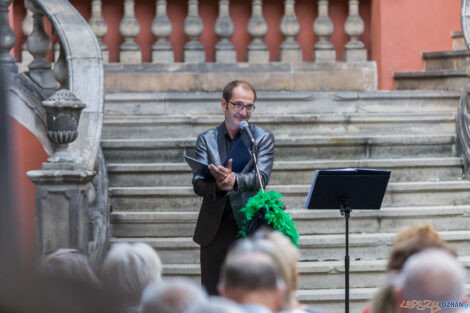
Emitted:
pixel 244 126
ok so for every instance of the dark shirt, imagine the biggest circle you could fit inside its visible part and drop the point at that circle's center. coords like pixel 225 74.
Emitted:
pixel 229 142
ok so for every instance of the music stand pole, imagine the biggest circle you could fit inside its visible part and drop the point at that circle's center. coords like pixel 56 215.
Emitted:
pixel 346 211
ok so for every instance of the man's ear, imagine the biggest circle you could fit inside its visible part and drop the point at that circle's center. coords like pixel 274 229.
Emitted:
pixel 398 296
pixel 222 290
pixel 223 104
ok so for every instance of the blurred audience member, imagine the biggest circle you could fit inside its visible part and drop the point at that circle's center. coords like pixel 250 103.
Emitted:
pixel 433 275
pixel 173 295
pixel 68 265
pixel 216 305
pixel 408 241
pixel 252 278
pixel 287 255
pixel 127 270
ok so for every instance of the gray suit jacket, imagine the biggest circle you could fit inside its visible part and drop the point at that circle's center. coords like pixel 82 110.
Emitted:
pixel 210 147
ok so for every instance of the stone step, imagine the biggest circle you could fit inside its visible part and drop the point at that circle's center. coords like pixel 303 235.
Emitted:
pixel 308 222
pixel 288 172
pixel 431 80
pixel 284 102
pixel 290 149
pixel 329 247
pixel 182 198
pixel 314 276
pixel 450 60
pixel 458 41
pixel 283 126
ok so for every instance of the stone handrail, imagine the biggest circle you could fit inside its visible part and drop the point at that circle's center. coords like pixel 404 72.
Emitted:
pixel 463 112
pixel 85 74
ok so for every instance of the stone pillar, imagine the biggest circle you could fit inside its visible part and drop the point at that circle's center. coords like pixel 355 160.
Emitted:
pixel 162 51
pixel 193 27
pixel 61 188
pixel 99 27
pixel 354 27
pixel 257 28
pixel 27 28
pixel 129 51
pixel 224 49
pixel 7 39
pixel 323 28
pixel 39 44
pixel 290 27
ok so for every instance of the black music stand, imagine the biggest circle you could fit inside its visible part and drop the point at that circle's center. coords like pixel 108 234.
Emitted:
pixel 361 189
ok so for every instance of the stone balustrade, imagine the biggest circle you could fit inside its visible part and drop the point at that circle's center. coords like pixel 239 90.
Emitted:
pixel 283 36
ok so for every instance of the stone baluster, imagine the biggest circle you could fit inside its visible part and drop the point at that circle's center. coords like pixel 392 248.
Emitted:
pixel 129 51
pixel 290 27
pixel 257 29
pixel 193 27
pixel 354 27
pixel 323 28
pixel 60 69
pixel 27 28
pixel 162 50
pixel 224 49
pixel 7 38
pixel 39 44
pixel 99 27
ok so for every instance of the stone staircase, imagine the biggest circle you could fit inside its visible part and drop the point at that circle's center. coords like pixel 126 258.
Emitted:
pixel 412 133
pixel 443 70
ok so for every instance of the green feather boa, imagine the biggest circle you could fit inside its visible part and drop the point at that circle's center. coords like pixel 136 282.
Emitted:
pixel 275 216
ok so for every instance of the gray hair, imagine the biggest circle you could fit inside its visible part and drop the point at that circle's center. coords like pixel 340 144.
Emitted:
pixel 216 305
pixel 128 269
pixel 172 295
pixel 70 265
pixel 435 275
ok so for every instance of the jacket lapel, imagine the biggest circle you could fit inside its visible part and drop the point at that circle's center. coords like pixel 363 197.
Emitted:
pixel 221 142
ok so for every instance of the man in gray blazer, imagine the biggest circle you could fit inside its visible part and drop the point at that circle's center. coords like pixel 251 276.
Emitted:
pixel 225 192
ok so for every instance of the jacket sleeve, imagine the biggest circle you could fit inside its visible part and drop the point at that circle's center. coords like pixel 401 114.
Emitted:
pixel 204 187
pixel 265 157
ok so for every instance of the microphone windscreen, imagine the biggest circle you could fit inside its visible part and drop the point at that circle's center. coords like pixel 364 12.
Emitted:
pixel 243 124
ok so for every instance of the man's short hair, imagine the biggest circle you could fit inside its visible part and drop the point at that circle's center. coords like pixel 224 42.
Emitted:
pixel 228 89
pixel 172 295
pixel 128 269
pixel 248 268
pixel 433 274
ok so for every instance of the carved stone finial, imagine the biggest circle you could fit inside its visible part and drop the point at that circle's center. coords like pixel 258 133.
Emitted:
pixel 224 49
pixel 162 50
pixel 193 28
pixel 257 28
pixel 7 38
pixel 63 111
pixel 323 28
pixel 129 29
pixel 290 27
pixel 99 26
pixel 354 27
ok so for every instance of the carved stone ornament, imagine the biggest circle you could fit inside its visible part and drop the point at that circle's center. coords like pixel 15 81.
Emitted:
pixel 63 115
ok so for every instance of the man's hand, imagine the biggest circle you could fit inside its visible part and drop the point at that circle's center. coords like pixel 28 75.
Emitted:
pixel 224 177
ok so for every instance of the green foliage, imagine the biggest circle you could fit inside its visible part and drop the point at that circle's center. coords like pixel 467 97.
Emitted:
pixel 275 216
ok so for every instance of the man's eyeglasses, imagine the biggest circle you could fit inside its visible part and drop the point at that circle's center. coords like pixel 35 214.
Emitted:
pixel 240 106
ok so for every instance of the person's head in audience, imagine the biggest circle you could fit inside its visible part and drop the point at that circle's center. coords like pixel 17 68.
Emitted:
pixel 68 265
pixel 408 241
pixel 127 270
pixel 172 295
pixel 251 277
pixel 216 305
pixel 433 274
